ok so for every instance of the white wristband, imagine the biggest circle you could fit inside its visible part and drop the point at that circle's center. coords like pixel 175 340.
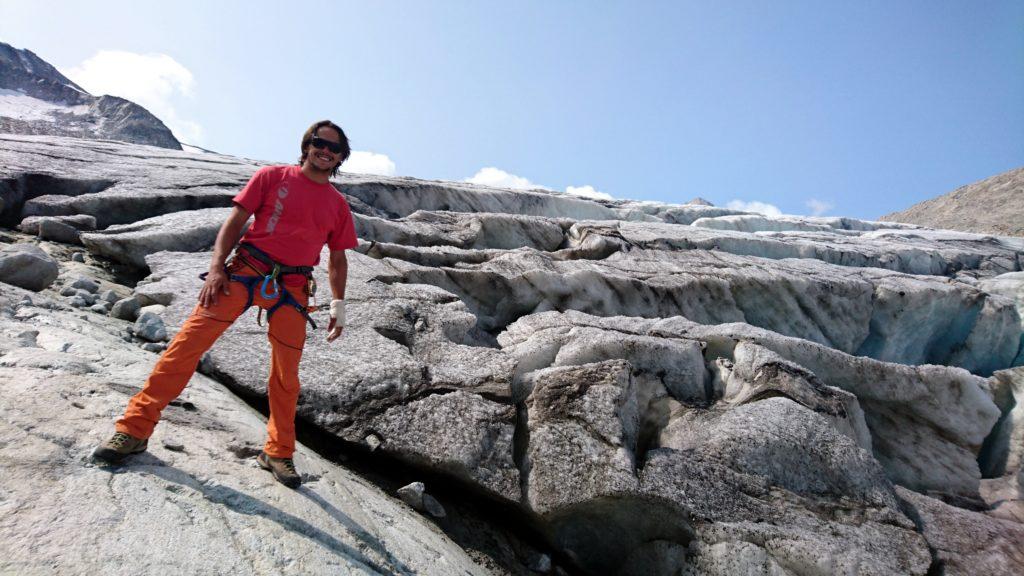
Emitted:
pixel 338 313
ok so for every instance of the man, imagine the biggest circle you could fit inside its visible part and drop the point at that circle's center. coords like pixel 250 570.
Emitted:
pixel 297 211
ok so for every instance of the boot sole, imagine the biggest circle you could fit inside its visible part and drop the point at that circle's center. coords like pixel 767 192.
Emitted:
pixel 291 483
pixel 113 457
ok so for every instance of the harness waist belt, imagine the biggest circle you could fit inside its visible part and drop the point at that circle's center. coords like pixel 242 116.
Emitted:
pixel 265 259
pixel 284 298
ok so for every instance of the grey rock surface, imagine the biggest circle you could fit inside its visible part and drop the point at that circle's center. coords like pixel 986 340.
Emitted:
pixel 658 389
pixel 945 413
pixel 966 542
pixel 758 373
pixel 155 309
pixel 412 494
pixel 87 284
pixel 846 242
pixel 27 266
pixel 186 231
pixel 583 425
pixel 865 311
pixel 460 433
pixel 150 327
pixel 31 224
pixel 113 182
pixel 85 295
pixel 51 229
pixel 126 309
pixel 62 386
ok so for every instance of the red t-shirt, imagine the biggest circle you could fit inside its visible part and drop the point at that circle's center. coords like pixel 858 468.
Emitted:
pixel 295 217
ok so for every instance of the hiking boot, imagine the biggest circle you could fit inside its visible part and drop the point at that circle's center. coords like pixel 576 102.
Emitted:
pixel 120 446
pixel 283 469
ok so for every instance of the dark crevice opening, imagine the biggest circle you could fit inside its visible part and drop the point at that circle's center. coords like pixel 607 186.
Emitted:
pixel 991 457
pixel 937 566
pixel 17 190
pixel 469 508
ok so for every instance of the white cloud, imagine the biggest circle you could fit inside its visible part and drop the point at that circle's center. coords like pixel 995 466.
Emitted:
pixel 498 178
pixel 362 162
pixel 819 207
pixel 154 81
pixel 754 206
pixel 588 192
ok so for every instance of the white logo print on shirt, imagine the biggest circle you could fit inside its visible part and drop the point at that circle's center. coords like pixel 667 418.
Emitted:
pixel 278 209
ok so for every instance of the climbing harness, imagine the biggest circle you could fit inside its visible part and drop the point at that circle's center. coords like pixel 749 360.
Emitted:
pixel 269 286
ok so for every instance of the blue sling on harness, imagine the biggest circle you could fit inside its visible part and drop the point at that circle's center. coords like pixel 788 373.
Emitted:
pixel 270 280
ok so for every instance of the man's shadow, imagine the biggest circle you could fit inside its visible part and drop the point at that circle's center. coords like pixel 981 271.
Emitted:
pixel 245 504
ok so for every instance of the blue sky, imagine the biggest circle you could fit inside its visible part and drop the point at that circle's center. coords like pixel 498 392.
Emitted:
pixel 854 109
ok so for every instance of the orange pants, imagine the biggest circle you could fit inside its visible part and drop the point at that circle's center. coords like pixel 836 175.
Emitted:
pixel 287 335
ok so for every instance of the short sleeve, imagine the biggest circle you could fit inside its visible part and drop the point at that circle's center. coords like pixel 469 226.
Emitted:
pixel 251 197
pixel 343 236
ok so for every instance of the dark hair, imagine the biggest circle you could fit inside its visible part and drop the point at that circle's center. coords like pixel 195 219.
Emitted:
pixel 308 137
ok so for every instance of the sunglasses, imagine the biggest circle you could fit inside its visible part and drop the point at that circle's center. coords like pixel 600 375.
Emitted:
pixel 318 142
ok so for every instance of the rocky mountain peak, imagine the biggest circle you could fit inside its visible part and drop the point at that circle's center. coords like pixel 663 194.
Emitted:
pixel 35 98
pixel 23 71
pixel 994 205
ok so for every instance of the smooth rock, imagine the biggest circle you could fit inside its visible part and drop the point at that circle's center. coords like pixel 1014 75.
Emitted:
pixel 31 224
pixel 188 231
pixel 27 266
pixel 87 284
pixel 57 231
pixel 157 309
pixel 85 295
pixel 126 309
pixel 412 494
pixel 372 442
pixel 461 433
pixel 150 327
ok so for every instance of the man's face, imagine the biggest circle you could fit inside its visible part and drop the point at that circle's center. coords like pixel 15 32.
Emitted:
pixel 322 158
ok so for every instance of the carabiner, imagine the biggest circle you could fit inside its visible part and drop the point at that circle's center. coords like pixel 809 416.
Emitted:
pixel 263 287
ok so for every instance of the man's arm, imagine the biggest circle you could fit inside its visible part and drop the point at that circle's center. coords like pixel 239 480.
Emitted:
pixel 337 277
pixel 217 280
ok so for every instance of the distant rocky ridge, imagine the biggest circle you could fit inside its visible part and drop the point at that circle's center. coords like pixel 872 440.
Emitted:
pixel 991 206
pixel 37 99
pixel 657 388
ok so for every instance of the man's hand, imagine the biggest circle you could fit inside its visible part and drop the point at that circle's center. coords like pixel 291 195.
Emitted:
pixel 337 323
pixel 216 282
pixel 217 279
